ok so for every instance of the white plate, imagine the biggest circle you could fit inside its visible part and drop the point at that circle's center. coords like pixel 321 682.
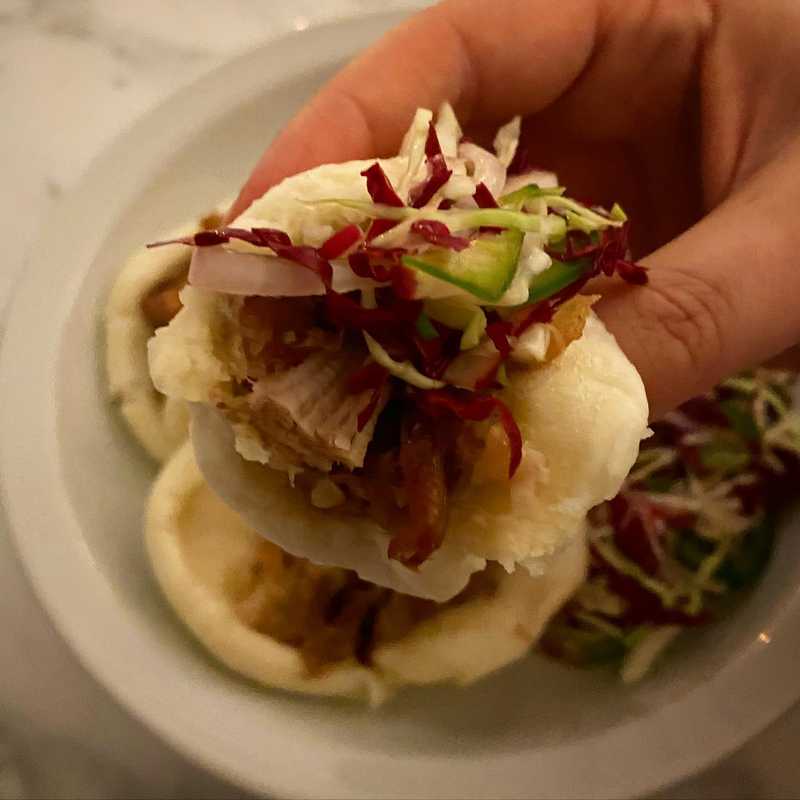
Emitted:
pixel 74 486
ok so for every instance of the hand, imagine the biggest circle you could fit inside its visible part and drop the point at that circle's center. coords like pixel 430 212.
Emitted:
pixel 684 111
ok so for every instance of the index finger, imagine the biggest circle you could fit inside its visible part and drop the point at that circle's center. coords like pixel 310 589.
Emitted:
pixel 463 51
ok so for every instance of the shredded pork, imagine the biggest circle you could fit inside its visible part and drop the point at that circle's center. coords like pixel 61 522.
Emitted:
pixel 330 614
pixel 162 302
pixel 308 416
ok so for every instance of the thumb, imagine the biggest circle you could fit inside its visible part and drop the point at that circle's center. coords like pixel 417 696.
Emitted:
pixel 447 52
pixel 722 297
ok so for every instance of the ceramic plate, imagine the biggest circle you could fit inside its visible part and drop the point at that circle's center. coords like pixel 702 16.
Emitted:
pixel 74 485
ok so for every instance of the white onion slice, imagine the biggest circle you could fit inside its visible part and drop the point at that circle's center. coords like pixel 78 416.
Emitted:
pixel 263 498
pixel 231 272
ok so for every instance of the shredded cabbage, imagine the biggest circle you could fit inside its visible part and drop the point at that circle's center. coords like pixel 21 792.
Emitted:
pixel 404 370
pixel 551 226
pixel 474 331
pixel 506 141
pixel 643 655
pixel 413 148
pixel 448 130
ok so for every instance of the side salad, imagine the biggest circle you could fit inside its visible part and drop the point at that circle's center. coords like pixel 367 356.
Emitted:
pixel 692 527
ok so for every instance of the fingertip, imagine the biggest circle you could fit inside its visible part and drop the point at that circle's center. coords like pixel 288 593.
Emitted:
pixel 490 71
pixel 241 202
pixel 332 128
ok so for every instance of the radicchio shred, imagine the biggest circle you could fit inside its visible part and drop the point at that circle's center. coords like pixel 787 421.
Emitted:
pixel 499 332
pixel 340 242
pixel 380 187
pixel 483 197
pixel 438 233
pixel 438 171
pixel 476 408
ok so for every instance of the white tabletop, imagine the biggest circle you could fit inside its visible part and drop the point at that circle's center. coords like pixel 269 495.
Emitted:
pixel 73 73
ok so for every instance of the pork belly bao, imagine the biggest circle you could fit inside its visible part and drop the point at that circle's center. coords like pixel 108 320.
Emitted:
pixel 392 368
pixel 144 297
pixel 287 623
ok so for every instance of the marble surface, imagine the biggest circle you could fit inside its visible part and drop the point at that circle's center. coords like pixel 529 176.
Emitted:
pixel 73 74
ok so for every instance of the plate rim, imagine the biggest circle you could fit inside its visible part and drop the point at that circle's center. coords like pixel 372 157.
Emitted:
pixel 764 705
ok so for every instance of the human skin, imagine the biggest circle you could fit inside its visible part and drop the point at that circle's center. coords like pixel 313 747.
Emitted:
pixel 685 111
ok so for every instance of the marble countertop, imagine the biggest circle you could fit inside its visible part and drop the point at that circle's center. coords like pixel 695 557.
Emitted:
pixel 73 74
